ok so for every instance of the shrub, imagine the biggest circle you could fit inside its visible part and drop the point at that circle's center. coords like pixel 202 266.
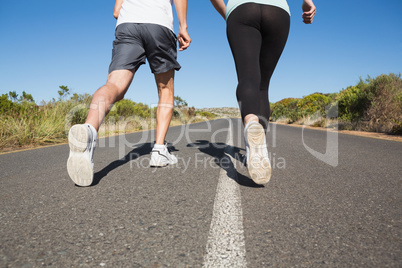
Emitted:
pixel 126 108
pixel 179 102
pixel 374 104
pixel 5 104
pixel 351 103
pixel 206 114
pixel 142 110
pixel 286 108
pixel 312 104
pixel 384 110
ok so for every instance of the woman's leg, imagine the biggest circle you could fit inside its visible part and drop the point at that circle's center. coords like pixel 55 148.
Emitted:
pixel 245 39
pixel 257 35
pixel 275 25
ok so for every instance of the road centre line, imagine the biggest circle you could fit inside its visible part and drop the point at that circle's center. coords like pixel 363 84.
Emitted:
pixel 226 243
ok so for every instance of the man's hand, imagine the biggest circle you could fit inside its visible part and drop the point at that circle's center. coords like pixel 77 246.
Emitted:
pixel 309 11
pixel 184 39
pixel 183 36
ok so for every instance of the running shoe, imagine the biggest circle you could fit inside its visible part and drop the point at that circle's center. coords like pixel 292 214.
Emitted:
pixel 161 157
pixel 258 164
pixel 80 165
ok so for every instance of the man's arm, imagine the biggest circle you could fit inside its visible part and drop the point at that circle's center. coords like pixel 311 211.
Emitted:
pixel 183 36
pixel 220 6
pixel 117 7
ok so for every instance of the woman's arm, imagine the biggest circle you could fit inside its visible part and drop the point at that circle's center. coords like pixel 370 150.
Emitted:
pixel 309 11
pixel 220 6
pixel 117 7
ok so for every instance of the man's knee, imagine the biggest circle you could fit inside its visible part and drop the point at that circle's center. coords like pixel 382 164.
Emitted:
pixel 120 79
pixel 118 83
pixel 165 80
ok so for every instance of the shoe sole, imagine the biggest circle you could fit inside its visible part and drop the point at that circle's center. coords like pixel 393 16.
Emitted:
pixel 152 164
pixel 79 167
pixel 258 166
pixel 164 164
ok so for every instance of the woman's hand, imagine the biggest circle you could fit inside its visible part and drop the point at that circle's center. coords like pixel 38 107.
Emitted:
pixel 309 11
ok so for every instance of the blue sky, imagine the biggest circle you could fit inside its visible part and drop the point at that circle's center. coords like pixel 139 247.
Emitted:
pixel 49 43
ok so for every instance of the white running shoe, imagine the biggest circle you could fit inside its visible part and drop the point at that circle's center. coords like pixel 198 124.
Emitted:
pixel 80 165
pixel 161 157
pixel 258 164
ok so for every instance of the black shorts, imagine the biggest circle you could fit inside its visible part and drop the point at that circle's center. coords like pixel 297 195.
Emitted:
pixel 136 42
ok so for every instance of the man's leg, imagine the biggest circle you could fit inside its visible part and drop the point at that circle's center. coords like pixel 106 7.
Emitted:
pixel 114 90
pixel 82 138
pixel 165 84
pixel 160 155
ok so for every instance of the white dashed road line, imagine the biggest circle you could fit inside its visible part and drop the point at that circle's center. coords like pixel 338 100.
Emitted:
pixel 226 244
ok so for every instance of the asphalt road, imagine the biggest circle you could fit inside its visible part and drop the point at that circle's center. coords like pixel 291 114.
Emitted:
pixel 328 204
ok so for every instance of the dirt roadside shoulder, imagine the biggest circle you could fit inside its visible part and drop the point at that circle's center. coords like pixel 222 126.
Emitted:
pixel 373 135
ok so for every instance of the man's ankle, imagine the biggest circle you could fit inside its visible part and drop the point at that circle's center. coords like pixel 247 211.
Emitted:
pixel 159 146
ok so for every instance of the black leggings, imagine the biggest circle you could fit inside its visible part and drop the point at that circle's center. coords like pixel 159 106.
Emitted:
pixel 257 35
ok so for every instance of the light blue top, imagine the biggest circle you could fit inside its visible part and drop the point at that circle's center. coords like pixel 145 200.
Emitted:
pixel 232 4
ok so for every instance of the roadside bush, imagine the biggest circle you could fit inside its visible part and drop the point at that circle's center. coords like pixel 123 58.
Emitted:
pixel 188 111
pixel 183 113
pixel 6 105
pixel 142 110
pixel 374 104
pixel 206 114
pixel 384 112
pixel 286 109
pixel 294 110
pixel 78 107
pixel 126 108
pixel 77 114
pixel 351 103
pixel 23 123
pixel 312 104
pixel 33 125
